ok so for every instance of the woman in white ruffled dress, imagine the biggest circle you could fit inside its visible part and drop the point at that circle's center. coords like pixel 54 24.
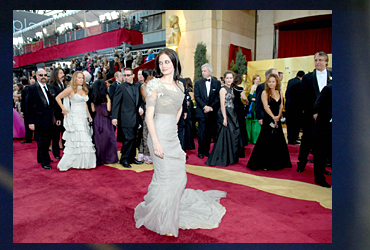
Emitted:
pixel 79 151
pixel 168 206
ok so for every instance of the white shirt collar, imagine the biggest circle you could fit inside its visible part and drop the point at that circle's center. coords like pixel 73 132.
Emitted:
pixel 321 79
pixel 42 85
pixel 321 72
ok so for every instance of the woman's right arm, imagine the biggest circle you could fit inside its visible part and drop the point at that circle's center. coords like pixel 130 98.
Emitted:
pixel 151 99
pixel 157 147
pixel 222 103
pixel 61 95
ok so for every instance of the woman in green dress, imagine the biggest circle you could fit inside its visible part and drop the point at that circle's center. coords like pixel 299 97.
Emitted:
pixel 252 125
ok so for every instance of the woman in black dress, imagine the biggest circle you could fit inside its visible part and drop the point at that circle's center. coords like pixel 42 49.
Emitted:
pixel 271 151
pixel 229 146
pixel 190 120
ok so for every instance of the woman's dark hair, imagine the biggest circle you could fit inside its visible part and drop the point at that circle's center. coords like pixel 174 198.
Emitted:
pixel 237 80
pixel 25 81
pixel 99 92
pixel 20 86
pixel 146 73
pixel 54 77
pixel 267 88
pixel 175 61
pixel 189 83
pixel 233 74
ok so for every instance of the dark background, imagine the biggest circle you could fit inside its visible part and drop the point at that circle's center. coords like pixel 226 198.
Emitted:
pixel 351 133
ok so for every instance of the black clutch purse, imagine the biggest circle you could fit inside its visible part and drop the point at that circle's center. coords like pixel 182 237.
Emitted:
pixel 274 129
pixel 90 123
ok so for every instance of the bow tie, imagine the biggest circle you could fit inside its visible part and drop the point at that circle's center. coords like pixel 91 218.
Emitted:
pixel 321 72
pixel 207 80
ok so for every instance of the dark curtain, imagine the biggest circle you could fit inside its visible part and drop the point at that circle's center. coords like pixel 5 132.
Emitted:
pixel 304 42
pixel 234 49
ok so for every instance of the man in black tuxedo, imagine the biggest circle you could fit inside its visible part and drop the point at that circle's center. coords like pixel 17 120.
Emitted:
pixel 259 90
pixel 29 133
pixel 125 112
pixel 206 94
pixel 112 90
pixel 56 80
pixel 322 134
pixel 293 109
pixel 312 84
pixel 40 108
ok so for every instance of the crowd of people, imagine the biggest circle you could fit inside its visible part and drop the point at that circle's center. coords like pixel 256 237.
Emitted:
pixel 211 111
pixel 157 115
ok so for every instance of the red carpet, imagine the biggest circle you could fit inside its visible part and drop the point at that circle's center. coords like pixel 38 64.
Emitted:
pixel 97 206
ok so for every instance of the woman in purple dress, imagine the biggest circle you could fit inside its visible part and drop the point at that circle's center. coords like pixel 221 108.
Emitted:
pixel 105 139
pixel 18 125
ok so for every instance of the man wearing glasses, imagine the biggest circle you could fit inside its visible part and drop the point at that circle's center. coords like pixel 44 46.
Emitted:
pixel 40 105
pixel 126 109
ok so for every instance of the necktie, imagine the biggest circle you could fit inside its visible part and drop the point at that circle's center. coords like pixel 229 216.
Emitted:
pixel 47 94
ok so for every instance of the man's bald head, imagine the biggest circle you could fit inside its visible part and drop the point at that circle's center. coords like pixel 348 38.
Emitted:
pixel 41 76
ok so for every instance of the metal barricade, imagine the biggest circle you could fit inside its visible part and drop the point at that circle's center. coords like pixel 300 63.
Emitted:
pixel 80 34
pixel 62 39
pixel 113 26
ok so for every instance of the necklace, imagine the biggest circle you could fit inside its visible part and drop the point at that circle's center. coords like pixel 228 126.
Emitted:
pixel 79 87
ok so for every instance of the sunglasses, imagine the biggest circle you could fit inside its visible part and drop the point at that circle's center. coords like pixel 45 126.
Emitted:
pixel 127 75
pixel 43 75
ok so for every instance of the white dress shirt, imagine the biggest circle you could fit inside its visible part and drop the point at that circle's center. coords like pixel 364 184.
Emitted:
pixel 208 85
pixel 322 77
pixel 43 91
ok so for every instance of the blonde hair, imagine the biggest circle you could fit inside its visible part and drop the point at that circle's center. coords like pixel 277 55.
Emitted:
pixel 73 82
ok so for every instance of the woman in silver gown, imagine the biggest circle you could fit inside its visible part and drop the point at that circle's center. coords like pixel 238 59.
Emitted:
pixel 168 206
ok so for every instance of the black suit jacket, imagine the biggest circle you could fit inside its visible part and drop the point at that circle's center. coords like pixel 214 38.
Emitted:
pixel 323 109
pixel 259 105
pixel 311 91
pixel 293 95
pixel 125 108
pixel 200 95
pixel 112 90
pixel 38 110
pixel 184 105
pixel 59 89
pixel 23 100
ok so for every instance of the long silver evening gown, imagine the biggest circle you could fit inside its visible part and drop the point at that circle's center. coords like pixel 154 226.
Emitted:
pixel 168 206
